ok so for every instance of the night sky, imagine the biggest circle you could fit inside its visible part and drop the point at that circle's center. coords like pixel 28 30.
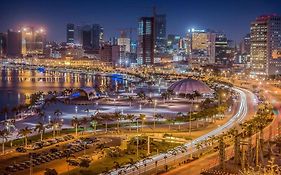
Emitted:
pixel 230 16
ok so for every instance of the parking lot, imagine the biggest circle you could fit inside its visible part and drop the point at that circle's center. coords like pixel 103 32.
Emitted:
pixel 54 153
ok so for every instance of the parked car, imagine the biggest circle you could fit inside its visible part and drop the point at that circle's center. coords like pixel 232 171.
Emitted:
pixel 73 162
pixel 11 168
pixel 53 150
pixel 21 149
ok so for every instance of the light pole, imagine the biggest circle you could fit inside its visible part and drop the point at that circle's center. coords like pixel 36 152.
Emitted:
pixel 76 110
pixel 137 126
pixel 190 119
pixel 154 115
pixel 114 104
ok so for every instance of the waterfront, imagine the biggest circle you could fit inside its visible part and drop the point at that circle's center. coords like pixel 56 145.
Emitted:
pixel 17 84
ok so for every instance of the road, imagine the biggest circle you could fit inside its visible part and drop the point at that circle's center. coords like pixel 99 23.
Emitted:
pixel 151 166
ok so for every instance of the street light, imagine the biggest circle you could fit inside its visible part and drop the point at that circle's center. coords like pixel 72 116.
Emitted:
pixel 76 110
pixel 155 103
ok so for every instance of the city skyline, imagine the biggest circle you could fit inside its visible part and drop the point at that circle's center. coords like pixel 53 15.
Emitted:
pixel 213 15
pixel 143 87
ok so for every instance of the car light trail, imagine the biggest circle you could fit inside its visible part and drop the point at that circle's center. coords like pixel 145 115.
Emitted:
pixel 150 165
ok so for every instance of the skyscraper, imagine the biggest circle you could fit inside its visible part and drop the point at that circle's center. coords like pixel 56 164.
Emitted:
pixel 160 32
pixel 123 40
pixel 86 37
pixel 201 46
pixel 70 30
pixel 265 45
pixel 3 44
pixel 78 32
pixel 246 45
pixel 33 40
pixel 221 49
pixel 97 36
pixel 14 43
pixel 145 51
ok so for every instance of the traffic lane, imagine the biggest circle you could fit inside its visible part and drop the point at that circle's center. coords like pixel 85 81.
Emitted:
pixel 240 115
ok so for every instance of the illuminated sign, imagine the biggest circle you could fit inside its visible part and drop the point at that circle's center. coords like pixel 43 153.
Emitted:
pixel 276 54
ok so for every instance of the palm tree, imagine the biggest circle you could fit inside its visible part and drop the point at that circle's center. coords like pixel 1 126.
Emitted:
pixel 156 117
pixel 141 95
pixel 170 93
pixel 105 119
pixel 94 124
pixel 4 136
pixel 190 96
pixel 164 96
pixel 118 116
pixel 5 111
pixel 170 120
pixel 87 110
pixel 40 128
pixel 54 124
pixel 130 98
pixel 25 132
pixel 196 94
pixel 131 118
pixel 57 113
pixel 75 123
pixel 142 118
pixel 9 124
pixel 42 116
pixel 84 122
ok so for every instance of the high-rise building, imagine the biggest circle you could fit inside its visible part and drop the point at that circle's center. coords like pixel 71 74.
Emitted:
pixel 173 41
pixel 3 44
pixel 97 36
pixel 123 40
pixel 113 40
pixel 246 45
pixel 14 43
pixel 221 49
pixel 201 46
pixel 78 35
pixel 86 37
pixel 106 53
pixel 266 45
pixel 145 51
pixel 116 55
pixel 70 33
pixel 160 32
pixel 33 40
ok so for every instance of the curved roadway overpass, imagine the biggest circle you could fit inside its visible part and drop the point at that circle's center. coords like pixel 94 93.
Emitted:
pixel 166 159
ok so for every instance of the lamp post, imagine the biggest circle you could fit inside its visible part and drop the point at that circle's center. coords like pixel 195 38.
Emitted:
pixel 114 105
pixel 155 103
pixel 137 138
pixel 191 110
pixel 190 119
pixel 76 110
